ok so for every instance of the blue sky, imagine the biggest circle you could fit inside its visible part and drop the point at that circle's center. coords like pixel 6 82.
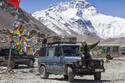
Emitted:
pixel 109 7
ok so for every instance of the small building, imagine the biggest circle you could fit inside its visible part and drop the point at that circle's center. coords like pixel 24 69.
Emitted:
pixel 114 47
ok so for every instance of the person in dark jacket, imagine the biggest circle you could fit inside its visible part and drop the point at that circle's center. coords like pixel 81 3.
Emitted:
pixel 108 57
pixel 85 49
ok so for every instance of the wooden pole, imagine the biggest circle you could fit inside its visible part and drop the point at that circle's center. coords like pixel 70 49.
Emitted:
pixel 10 49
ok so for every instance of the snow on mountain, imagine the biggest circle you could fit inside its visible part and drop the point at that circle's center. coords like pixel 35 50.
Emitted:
pixel 78 17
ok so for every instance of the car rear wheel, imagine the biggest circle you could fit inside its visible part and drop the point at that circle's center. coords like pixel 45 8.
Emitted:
pixel 70 74
pixel 12 64
pixel 16 66
pixel 97 76
pixel 43 72
pixel 30 63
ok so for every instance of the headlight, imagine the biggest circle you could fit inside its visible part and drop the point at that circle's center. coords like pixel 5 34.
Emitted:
pixel 102 63
pixel 80 63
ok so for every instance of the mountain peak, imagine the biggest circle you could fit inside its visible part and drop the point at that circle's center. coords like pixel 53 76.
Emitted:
pixel 78 17
pixel 63 6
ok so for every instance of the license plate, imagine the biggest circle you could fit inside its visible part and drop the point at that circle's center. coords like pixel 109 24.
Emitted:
pixel 99 70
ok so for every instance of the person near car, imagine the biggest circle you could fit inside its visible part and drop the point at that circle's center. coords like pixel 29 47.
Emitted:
pixel 85 52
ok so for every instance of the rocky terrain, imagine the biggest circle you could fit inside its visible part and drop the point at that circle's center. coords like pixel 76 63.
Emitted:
pixel 114 74
pixel 7 18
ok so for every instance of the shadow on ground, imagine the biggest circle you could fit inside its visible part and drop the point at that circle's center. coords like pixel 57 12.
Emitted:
pixel 82 80
pixel 23 67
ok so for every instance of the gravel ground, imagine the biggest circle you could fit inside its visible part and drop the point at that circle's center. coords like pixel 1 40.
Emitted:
pixel 115 73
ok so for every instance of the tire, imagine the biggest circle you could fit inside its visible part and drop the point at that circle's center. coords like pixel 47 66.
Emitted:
pixel 97 76
pixel 12 64
pixel 66 77
pixel 70 74
pixel 16 66
pixel 43 72
pixel 31 63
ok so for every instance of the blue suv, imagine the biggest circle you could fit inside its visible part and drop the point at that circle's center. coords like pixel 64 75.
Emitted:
pixel 64 59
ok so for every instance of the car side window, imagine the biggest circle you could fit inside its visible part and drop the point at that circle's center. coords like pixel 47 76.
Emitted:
pixel 58 51
pixel 51 51
pixel 42 52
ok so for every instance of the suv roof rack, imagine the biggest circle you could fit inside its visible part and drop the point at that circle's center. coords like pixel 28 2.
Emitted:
pixel 61 40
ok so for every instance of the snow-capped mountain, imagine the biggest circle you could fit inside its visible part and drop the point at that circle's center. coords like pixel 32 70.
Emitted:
pixel 78 17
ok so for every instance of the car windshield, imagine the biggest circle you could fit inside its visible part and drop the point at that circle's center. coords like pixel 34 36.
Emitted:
pixel 71 50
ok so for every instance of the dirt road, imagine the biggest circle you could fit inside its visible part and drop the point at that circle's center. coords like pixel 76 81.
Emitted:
pixel 115 73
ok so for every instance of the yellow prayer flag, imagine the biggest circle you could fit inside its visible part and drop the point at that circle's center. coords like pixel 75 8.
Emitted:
pixel 24 31
pixel 32 37
pixel 31 49
pixel 20 41
pixel 21 50
pixel 41 42
pixel 18 32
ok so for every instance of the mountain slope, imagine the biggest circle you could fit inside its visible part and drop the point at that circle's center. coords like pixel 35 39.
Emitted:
pixel 29 22
pixel 78 17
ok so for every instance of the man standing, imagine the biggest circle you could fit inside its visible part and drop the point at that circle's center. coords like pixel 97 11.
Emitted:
pixel 85 49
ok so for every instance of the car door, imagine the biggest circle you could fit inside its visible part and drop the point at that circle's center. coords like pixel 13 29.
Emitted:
pixel 58 61
pixel 50 59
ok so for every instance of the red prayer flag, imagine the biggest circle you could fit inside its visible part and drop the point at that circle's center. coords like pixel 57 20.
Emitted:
pixel 16 28
pixel 11 41
pixel 38 40
pixel 36 53
pixel 20 27
pixel 14 3
pixel 17 46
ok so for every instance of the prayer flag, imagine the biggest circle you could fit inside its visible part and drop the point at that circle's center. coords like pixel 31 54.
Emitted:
pixel 25 49
pixel 34 51
pixel 15 3
pixel 24 31
pixel 17 32
pixel 21 50
pixel 20 27
pixel 15 24
pixel 34 40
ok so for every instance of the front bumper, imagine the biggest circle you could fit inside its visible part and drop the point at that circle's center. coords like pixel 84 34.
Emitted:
pixel 87 71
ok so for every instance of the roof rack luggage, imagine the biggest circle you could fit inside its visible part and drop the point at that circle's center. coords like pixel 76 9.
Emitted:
pixel 59 39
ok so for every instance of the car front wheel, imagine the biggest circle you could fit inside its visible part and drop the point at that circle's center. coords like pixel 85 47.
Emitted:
pixel 97 76
pixel 65 77
pixel 43 72
pixel 70 74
